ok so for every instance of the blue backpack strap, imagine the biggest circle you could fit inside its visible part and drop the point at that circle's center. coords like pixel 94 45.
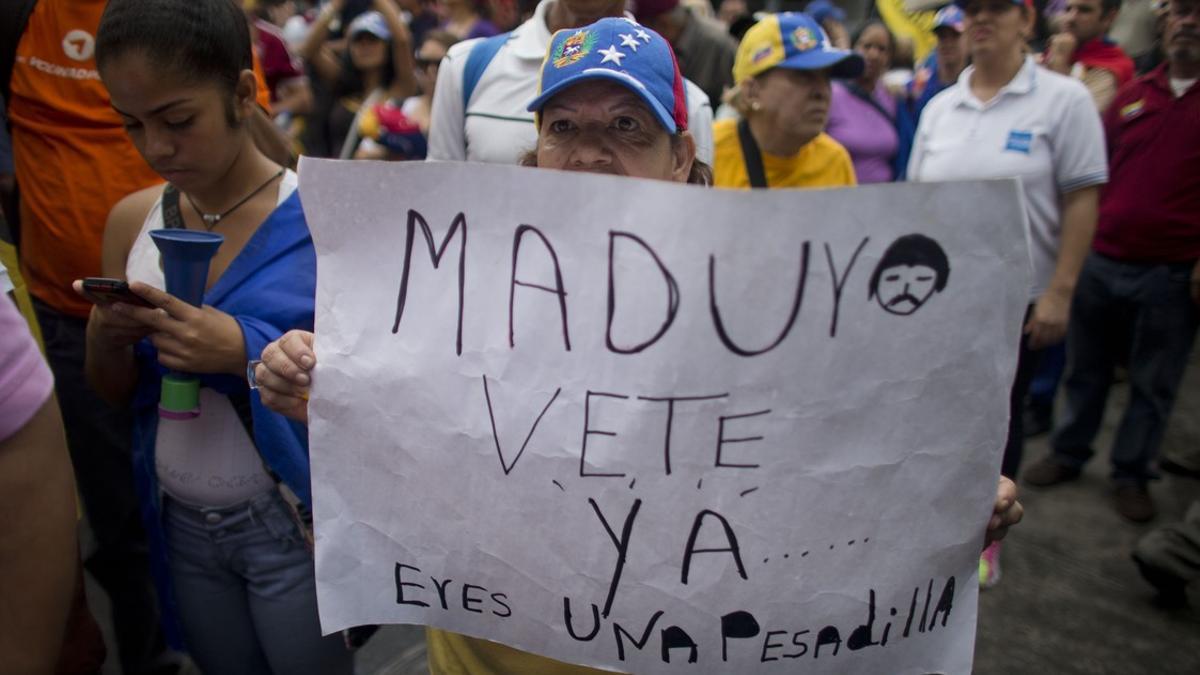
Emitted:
pixel 478 60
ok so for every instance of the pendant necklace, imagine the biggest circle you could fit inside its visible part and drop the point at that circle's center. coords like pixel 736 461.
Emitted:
pixel 212 219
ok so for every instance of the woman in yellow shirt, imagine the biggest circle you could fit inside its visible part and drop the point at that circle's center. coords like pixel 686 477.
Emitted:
pixel 783 68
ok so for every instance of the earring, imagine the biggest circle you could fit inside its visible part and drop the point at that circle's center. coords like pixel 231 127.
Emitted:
pixel 755 106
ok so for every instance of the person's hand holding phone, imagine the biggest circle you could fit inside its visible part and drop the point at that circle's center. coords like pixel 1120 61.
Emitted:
pixel 108 327
pixel 190 339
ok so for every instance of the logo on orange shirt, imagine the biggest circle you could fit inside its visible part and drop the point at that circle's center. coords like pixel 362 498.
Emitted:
pixel 79 45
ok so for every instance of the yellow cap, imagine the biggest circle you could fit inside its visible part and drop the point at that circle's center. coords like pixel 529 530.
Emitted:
pixel 791 40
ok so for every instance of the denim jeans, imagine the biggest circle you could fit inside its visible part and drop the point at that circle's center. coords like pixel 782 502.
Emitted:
pixel 246 589
pixel 1028 360
pixel 1140 312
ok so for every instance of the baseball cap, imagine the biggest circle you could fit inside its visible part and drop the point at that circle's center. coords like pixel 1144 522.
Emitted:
pixel 370 22
pixel 949 16
pixel 622 51
pixel 791 40
pixel 820 10
pixel 648 9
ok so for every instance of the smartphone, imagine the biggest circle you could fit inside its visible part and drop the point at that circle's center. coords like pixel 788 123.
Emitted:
pixel 113 290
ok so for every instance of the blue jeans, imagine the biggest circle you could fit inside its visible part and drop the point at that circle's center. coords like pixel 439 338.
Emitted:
pixel 246 589
pixel 1140 312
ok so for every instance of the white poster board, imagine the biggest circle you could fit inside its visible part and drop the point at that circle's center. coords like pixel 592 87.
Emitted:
pixel 660 428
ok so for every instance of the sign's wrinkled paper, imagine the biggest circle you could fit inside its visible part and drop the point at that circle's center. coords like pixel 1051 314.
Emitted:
pixel 660 428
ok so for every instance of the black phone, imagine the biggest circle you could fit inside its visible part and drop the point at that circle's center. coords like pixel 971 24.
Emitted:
pixel 113 290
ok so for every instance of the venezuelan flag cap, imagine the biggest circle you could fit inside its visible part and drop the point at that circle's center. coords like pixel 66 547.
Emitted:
pixel 791 40
pixel 622 51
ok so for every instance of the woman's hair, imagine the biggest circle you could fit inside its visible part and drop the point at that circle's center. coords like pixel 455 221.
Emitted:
pixel 869 25
pixel 443 37
pixel 701 173
pixel 480 7
pixel 736 97
pixel 350 80
pixel 198 39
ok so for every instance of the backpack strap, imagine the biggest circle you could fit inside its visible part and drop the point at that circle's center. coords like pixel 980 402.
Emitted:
pixel 478 60
pixel 14 16
pixel 172 217
pixel 751 155
pixel 866 97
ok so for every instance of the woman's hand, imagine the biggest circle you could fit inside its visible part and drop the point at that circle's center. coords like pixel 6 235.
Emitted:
pixel 283 374
pixel 190 339
pixel 1006 513
pixel 109 328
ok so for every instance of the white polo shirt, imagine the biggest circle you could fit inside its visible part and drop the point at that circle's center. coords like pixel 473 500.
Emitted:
pixel 1041 127
pixel 498 129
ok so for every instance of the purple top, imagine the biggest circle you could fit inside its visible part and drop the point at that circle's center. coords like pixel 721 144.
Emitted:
pixel 870 138
pixel 480 29
pixel 25 380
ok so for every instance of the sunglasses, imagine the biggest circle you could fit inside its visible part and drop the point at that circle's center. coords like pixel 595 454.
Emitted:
pixel 426 64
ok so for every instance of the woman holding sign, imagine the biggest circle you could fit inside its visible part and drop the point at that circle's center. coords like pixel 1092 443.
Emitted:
pixel 235 576
pixel 614 111
pixel 1007 117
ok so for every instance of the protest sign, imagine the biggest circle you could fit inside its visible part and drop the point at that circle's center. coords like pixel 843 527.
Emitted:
pixel 661 428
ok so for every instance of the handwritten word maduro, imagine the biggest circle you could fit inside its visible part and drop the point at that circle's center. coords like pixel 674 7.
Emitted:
pixel 912 269
pixel 741 636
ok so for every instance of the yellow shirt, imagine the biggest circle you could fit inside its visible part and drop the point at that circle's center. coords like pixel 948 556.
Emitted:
pixel 822 162
pixel 455 654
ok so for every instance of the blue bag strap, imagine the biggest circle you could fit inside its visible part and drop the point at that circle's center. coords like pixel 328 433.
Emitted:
pixel 478 60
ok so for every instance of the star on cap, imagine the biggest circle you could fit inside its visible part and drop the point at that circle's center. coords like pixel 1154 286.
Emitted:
pixel 642 35
pixel 611 54
pixel 628 40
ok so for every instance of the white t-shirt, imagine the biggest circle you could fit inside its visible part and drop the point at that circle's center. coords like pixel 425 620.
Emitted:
pixel 209 461
pixel 497 128
pixel 1041 127
pixel 1181 86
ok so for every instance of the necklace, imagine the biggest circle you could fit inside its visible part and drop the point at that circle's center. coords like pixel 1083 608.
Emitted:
pixel 212 219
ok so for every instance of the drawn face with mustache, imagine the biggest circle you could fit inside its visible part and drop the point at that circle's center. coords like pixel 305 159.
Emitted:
pixel 904 288
pixel 911 270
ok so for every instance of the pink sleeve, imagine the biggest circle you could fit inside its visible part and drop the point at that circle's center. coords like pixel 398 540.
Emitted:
pixel 25 379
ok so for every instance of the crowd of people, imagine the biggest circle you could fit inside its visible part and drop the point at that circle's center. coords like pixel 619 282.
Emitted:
pixel 129 116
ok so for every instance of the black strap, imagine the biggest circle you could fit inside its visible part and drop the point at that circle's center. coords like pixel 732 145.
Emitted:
pixel 172 216
pixel 867 98
pixel 751 155
pixel 14 16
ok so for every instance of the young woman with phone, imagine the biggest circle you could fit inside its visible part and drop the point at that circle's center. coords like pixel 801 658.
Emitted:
pixel 235 570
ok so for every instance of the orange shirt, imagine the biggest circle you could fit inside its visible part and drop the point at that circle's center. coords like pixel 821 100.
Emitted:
pixel 73 160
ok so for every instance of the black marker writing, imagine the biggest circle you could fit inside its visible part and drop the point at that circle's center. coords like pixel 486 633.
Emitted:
pixel 787 327
pixel 672 294
pixel 435 255
pixel 840 282
pixel 558 289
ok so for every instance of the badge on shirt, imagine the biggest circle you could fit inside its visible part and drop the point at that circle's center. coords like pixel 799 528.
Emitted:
pixel 1132 110
pixel 1020 141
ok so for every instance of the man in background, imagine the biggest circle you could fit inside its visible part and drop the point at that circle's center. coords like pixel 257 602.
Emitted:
pixel 1136 300
pixel 703 46
pixel 1082 49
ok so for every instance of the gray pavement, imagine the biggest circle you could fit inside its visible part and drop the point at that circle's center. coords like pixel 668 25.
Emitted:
pixel 1070 600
